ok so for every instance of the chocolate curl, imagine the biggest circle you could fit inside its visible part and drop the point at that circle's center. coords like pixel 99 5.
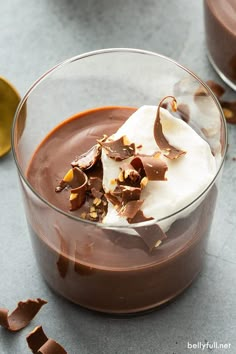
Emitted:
pixel 152 235
pixel 119 149
pixel 22 315
pixel 153 167
pixel 39 343
pixel 168 150
pixel 78 194
pixel 88 159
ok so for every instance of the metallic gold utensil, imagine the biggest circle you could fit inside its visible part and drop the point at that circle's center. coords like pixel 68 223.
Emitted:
pixel 9 100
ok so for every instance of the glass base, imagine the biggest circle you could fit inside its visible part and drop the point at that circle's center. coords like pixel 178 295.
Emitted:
pixel 222 76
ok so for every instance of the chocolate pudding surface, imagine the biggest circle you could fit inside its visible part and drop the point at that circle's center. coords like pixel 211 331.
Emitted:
pixel 220 23
pixel 79 259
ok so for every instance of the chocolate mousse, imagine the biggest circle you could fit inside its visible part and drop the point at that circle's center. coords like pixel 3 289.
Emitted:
pixel 119 267
pixel 220 23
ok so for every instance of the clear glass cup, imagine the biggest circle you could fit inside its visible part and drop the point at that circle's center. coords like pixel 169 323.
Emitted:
pixel 105 267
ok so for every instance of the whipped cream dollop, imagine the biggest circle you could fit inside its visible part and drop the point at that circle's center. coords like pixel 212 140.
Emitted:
pixel 187 176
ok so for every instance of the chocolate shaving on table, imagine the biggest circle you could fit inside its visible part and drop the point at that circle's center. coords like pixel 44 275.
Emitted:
pixel 78 193
pixel 88 159
pixel 39 343
pixel 229 109
pixel 22 315
pixel 152 235
pixel 184 112
pixel 130 209
pixel 217 89
pixel 153 167
pixel 119 149
pixel 168 150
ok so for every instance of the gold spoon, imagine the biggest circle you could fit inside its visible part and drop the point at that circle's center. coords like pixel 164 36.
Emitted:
pixel 9 100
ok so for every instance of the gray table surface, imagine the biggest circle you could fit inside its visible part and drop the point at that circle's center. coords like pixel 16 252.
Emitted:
pixel 36 35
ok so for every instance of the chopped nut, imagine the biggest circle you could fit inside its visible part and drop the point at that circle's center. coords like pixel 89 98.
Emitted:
pixel 121 177
pixel 73 196
pixel 144 182
pixel 69 176
pixel 158 243
pixel 126 140
pixel 97 201
pixel 93 215
pixel 83 215
pixel 92 209
pixel 174 105
pixel 228 113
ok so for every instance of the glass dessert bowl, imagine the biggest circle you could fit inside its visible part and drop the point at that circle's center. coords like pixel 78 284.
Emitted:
pixel 136 239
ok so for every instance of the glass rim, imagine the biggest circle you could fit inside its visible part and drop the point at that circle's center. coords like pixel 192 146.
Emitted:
pixel 109 51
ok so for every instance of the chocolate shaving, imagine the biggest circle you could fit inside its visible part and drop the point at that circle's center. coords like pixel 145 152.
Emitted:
pixel 95 182
pixel 130 209
pixel 113 199
pixel 119 149
pixel 78 194
pixel 129 175
pixel 168 150
pixel 39 343
pixel 130 193
pixel 22 315
pixel 88 159
pixel 139 217
pixel 74 178
pixel 152 235
pixel 217 89
pixel 153 167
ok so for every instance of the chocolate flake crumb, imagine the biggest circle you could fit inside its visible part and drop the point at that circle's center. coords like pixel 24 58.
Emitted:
pixel 168 150
pixel 119 149
pixel 88 159
pixel 22 315
pixel 39 343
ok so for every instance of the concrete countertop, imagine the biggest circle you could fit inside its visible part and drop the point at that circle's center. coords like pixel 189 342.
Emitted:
pixel 36 35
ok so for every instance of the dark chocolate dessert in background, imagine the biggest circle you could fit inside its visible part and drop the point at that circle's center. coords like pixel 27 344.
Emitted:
pixel 220 24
